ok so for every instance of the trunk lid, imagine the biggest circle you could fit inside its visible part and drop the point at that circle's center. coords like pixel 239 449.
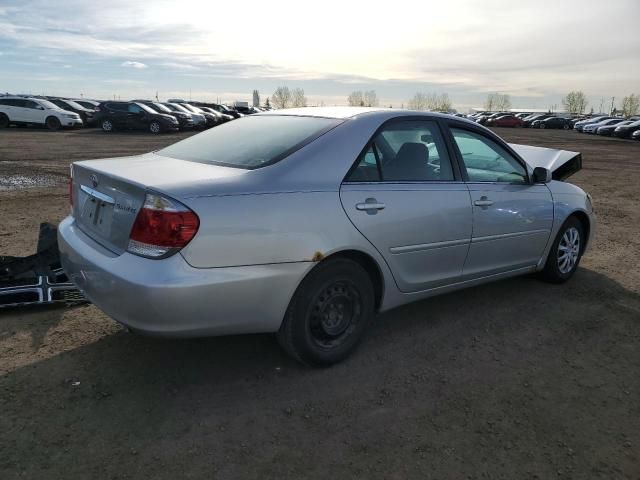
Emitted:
pixel 107 194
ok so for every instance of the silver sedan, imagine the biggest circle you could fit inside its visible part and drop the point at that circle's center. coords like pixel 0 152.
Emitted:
pixel 307 222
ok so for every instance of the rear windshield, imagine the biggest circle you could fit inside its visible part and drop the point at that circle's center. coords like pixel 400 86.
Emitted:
pixel 251 142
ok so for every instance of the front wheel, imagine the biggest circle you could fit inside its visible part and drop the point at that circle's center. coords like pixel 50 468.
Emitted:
pixel 565 126
pixel 542 125
pixel 565 253
pixel 107 125
pixel 53 123
pixel 4 121
pixel 328 314
pixel 155 127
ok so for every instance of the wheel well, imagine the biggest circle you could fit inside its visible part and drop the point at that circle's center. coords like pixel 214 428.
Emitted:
pixel 50 116
pixel 370 266
pixel 583 218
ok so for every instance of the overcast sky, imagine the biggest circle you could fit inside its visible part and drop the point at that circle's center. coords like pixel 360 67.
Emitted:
pixel 535 51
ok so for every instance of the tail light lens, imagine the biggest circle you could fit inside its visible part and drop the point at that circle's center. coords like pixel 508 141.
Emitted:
pixel 163 226
pixel 71 188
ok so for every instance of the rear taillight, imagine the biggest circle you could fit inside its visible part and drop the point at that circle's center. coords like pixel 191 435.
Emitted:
pixel 71 188
pixel 163 226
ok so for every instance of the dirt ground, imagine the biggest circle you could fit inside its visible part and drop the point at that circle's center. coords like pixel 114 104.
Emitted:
pixel 513 380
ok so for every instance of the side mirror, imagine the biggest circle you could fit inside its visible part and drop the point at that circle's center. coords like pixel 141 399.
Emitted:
pixel 541 175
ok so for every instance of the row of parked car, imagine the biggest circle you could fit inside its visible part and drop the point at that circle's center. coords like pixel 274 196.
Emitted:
pixel 149 115
pixel 601 125
pixel 611 126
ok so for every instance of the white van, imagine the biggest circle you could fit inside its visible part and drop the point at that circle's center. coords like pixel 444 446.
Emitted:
pixel 35 111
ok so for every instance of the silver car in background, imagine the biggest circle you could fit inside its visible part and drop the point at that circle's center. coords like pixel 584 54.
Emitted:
pixel 306 222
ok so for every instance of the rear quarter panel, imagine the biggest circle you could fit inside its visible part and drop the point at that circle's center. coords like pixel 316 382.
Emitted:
pixel 255 229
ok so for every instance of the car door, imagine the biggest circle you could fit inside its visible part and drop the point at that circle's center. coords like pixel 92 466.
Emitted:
pixel 406 196
pixel 35 112
pixel 118 113
pixel 136 117
pixel 512 218
pixel 19 110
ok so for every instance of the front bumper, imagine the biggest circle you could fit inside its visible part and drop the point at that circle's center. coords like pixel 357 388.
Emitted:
pixel 169 297
pixel 71 122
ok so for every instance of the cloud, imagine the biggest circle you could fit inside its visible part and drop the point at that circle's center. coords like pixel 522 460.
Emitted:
pixel 179 66
pixel 132 64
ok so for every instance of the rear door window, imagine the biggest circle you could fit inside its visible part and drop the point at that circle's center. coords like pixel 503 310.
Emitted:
pixel 405 151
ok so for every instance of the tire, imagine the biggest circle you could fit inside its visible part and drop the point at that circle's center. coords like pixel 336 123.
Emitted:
pixel 542 125
pixel 155 127
pixel 4 121
pixel 565 127
pixel 329 313
pixel 52 123
pixel 556 270
pixel 107 125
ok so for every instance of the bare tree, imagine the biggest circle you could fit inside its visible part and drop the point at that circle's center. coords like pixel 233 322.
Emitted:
pixel 498 102
pixel 630 105
pixel 418 102
pixel 297 98
pixel 370 98
pixel 356 99
pixel 430 101
pixel 281 98
pixel 575 102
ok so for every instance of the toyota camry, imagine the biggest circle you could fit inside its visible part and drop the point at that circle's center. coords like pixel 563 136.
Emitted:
pixel 306 222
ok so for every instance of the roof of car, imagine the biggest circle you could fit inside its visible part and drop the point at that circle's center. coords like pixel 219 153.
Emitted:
pixel 350 112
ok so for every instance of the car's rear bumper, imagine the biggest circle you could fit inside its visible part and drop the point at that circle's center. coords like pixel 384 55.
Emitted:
pixel 169 297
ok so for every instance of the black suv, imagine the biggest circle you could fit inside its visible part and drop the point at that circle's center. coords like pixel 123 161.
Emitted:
pixel 133 116
pixel 185 120
pixel 85 113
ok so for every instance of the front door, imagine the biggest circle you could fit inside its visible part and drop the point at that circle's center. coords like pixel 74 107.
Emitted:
pixel 406 199
pixel 512 218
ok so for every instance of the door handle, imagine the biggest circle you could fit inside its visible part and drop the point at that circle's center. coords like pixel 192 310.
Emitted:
pixel 370 205
pixel 483 202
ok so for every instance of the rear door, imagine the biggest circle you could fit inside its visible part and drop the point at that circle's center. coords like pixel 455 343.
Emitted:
pixel 118 112
pixel 512 218
pixel 19 110
pixel 407 198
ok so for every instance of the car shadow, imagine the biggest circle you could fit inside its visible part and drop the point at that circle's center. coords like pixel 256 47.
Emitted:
pixel 135 392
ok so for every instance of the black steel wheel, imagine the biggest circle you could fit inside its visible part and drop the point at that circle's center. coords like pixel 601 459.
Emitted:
pixel 329 313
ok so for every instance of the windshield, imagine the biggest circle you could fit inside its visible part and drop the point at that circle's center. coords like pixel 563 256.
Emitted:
pixel 191 108
pixel 178 108
pixel 251 142
pixel 160 107
pixel 145 108
pixel 48 104
pixel 73 104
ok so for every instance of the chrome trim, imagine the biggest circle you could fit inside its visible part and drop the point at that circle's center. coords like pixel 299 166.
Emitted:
pixel 429 246
pixel 97 194
pixel 490 238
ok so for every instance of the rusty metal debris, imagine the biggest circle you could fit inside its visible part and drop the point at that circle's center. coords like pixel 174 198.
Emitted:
pixel 37 279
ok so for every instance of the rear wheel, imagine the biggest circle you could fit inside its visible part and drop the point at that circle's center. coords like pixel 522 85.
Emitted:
pixel 566 126
pixel 565 253
pixel 155 127
pixel 52 123
pixel 4 121
pixel 107 125
pixel 329 313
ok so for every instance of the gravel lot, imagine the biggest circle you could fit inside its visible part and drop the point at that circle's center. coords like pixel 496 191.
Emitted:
pixel 515 380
